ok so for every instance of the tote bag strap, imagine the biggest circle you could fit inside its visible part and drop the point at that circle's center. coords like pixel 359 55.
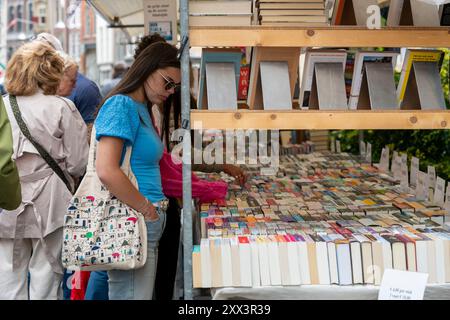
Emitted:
pixel 126 163
pixel 92 152
pixel 44 154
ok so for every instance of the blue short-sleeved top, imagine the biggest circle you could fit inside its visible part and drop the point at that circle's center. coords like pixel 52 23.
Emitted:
pixel 124 118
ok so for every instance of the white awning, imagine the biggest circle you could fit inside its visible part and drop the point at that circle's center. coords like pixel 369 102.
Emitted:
pixel 126 13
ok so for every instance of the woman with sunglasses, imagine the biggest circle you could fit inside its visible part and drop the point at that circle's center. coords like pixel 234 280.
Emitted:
pixel 124 119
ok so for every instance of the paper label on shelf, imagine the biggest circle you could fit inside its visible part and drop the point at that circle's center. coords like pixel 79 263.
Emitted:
pixel 384 160
pixel 402 285
pixel 369 153
pixel 439 192
pixel 431 176
pixel 362 149
pixel 338 146
pixel 404 177
pixel 396 165
pixel 421 188
pixel 414 170
pixel 447 200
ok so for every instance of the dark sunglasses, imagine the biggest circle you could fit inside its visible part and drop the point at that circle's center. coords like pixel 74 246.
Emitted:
pixel 170 84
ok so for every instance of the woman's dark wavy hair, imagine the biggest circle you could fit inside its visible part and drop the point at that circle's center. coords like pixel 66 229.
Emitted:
pixel 155 56
pixel 173 103
pixel 146 41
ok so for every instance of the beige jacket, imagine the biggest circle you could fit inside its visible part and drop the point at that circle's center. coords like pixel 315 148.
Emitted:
pixel 56 124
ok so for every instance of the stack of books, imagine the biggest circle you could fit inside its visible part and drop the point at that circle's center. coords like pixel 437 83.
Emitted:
pixel 220 12
pixel 320 139
pixel 323 219
pixel 292 12
pixel 298 148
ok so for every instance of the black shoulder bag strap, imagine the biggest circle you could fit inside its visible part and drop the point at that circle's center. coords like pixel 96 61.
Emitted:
pixel 44 154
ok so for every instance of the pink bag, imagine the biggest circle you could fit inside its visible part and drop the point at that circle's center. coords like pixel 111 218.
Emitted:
pixel 172 182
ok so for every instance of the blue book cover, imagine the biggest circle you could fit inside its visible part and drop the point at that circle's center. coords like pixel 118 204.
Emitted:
pixel 216 55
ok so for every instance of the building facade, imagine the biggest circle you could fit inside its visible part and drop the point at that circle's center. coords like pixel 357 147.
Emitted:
pixel 3 35
pixel 88 57
pixel 20 23
pixel 112 46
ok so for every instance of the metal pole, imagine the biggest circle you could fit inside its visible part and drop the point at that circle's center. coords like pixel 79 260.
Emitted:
pixel 187 176
pixel 66 5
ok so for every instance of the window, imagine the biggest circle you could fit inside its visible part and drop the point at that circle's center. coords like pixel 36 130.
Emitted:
pixel 87 30
pixel 42 14
pixel 10 14
pixel 19 18
pixel 30 15
pixel 10 52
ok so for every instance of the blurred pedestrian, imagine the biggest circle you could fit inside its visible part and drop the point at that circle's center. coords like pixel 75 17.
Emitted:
pixel 119 70
pixel 86 94
pixel 86 97
pixel 49 148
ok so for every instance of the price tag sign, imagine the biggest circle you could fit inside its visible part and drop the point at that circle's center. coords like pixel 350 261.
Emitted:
pixel 384 160
pixel 369 153
pixel 362 149
pixel 421 188
pixel 402 285
pixel 439 192
pixel 447 200
pixel 431 176
pixel 414 170
pixel 404 182
pixel 396 165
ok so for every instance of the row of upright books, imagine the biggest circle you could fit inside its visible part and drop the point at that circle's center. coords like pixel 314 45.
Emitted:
pixel 312 12
pixel 302 259
pixel 323 219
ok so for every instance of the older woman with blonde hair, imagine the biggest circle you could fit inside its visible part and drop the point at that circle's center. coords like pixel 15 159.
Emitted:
pixel 49 148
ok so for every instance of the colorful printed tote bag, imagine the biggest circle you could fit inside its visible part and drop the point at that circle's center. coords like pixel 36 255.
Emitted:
pixel 100 232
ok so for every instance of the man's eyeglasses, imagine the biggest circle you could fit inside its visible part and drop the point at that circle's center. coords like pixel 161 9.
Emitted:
pixel 170 84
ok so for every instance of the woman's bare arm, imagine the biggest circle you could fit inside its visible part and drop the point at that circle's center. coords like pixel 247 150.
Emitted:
pixel 109 151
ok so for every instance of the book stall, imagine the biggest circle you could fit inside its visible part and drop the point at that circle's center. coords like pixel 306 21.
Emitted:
pixel 328 223
pixel 324 224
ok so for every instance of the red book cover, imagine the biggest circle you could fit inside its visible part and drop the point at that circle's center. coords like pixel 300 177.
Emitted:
pixel 243 240
pixel 221 202
pixel 243 82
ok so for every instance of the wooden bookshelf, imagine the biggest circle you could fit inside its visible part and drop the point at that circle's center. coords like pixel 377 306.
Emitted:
pixel 336 36
pixel 321 120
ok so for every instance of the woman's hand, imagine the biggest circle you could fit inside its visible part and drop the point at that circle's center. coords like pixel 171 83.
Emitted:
pixel 109 150
pixel 150 214
pixel 235 172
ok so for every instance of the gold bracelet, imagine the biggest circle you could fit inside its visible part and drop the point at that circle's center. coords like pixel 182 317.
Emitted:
pixel 145 204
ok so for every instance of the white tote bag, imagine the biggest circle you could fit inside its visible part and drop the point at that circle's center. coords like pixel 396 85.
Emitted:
pixel 100 232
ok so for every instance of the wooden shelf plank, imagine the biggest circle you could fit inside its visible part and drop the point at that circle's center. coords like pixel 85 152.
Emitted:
pixel 319 37
pixel 323 120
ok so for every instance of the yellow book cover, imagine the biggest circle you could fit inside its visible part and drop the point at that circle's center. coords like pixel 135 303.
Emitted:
pixel 410 57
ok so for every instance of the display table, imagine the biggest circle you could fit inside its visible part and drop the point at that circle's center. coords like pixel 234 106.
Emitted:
pixel 319 292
